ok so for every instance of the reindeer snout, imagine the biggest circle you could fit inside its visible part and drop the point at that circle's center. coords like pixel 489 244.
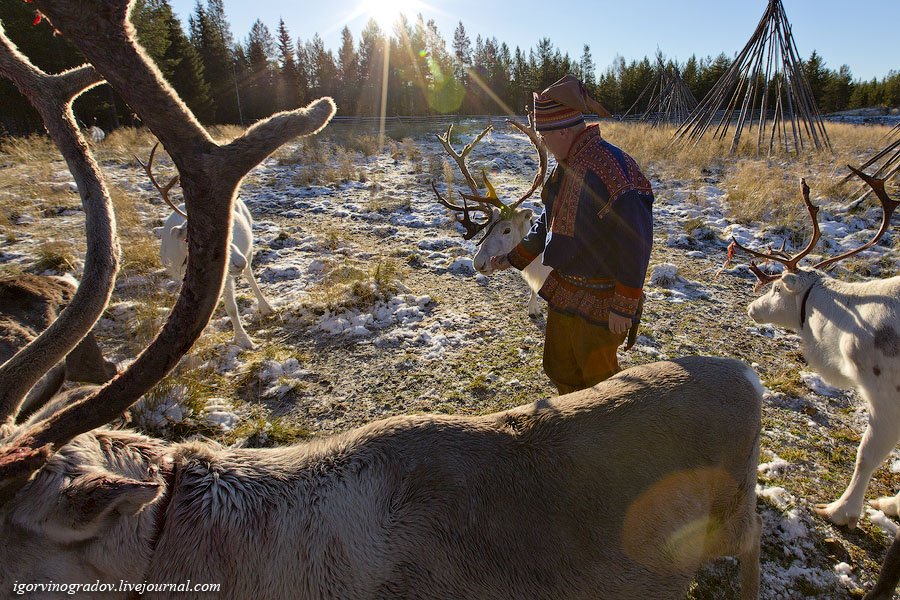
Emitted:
pixel 753 312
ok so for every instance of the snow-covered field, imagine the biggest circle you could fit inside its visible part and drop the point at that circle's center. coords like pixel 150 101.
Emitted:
pixel 436 336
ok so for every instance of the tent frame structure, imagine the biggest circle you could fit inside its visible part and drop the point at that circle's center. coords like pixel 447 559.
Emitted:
pixel 671 100
pixel 888 169
pixel 766 89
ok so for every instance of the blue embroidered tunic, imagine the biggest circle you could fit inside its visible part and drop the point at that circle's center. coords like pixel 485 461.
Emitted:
pixel 596 231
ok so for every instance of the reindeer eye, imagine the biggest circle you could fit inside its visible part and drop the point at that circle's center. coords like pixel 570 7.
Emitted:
pixel 507 231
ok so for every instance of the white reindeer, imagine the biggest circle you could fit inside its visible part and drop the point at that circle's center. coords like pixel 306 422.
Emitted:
pixel 850 334
pixel 616 492
pixel 174 251
pixel 506 224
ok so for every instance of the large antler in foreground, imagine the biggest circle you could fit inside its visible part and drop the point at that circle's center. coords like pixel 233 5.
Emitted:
pixel 52 96
pixel 791 262
pixel 210 175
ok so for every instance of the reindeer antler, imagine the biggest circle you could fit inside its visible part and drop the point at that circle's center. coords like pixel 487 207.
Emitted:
pixel 542 157
pixel 780 256
pixel 162 189
pixel 464 217
pixel 485 203
pixel 52 97
pixel 888 207
pixel 210 175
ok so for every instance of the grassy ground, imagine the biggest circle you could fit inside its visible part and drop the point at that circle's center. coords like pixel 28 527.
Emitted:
pixel 348 383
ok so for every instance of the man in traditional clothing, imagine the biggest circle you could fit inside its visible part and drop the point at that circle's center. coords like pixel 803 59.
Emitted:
pixel 596 232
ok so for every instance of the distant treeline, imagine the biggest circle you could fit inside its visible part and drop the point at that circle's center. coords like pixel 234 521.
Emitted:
pixel 224 80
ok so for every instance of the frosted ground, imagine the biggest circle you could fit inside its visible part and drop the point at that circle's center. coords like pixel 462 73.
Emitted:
pixel 422 332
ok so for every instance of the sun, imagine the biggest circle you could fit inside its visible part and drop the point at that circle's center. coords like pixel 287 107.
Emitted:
pixel 385 12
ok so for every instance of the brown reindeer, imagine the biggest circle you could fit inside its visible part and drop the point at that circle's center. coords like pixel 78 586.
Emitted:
pixel 28 305
pixel 618 492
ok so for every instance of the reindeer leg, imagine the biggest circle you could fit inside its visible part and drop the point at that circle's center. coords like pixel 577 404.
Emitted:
pixel 240 336
pixel 534 306
pixel 264 307
pixel 889 575
pixel 749 560
pixel 889 505
pixel 880 438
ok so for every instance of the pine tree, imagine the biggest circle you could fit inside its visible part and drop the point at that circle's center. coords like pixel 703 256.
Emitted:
pixel 211 36
pixel 149 20
pixel 837 90
pixel 348 74
pixel 181 64
pixel 462 52
pixel 588 70
pixel 323 69
pixel 447 94
pixel 260 82
pixel 521 88
pixel 288 85
pixel 546 69
pixel 816 74
pixel 371 64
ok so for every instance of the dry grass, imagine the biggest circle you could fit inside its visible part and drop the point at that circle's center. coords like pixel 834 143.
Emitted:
pixel 123 144
pixel 346 286
pixel 140 248
pixel 57 256
pixel 759 188
pixel 28 150
pixel 323 163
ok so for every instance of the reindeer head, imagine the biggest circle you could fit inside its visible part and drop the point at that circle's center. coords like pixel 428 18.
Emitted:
pixel 783 304
pixel 88 514
pixel 505 224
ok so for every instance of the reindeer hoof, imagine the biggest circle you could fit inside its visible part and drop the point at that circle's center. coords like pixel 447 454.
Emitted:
pixel 245 343
pixel 887 505
pixel 265 310
pixel 837 514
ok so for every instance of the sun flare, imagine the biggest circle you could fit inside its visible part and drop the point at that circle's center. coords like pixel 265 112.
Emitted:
pixel 386 12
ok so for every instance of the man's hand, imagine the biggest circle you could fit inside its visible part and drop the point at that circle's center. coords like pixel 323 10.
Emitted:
pixel 500 263
pixel 619 324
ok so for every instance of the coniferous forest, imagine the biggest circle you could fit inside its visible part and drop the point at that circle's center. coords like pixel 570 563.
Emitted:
pixel 228 79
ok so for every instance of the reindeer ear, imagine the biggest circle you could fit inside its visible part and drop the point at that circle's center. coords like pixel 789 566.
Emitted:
pixel 791 282
pixel 91 501
pixel 524 215
pixel 179 232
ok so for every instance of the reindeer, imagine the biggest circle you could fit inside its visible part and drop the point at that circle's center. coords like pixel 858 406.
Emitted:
pixel 174 251
pixel 28 305
pixel 506 224
pixel 620 491
pixel 889 576
pixel 850 334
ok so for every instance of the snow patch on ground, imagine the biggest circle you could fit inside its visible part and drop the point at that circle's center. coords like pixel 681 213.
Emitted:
pixel 815 383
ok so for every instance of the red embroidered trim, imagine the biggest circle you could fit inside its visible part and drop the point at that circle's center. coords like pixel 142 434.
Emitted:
pixel 520 258
pixel 627 291
pixel 627 307
pixel 593 305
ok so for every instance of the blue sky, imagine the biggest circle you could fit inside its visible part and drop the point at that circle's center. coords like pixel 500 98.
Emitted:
pixel 862 34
